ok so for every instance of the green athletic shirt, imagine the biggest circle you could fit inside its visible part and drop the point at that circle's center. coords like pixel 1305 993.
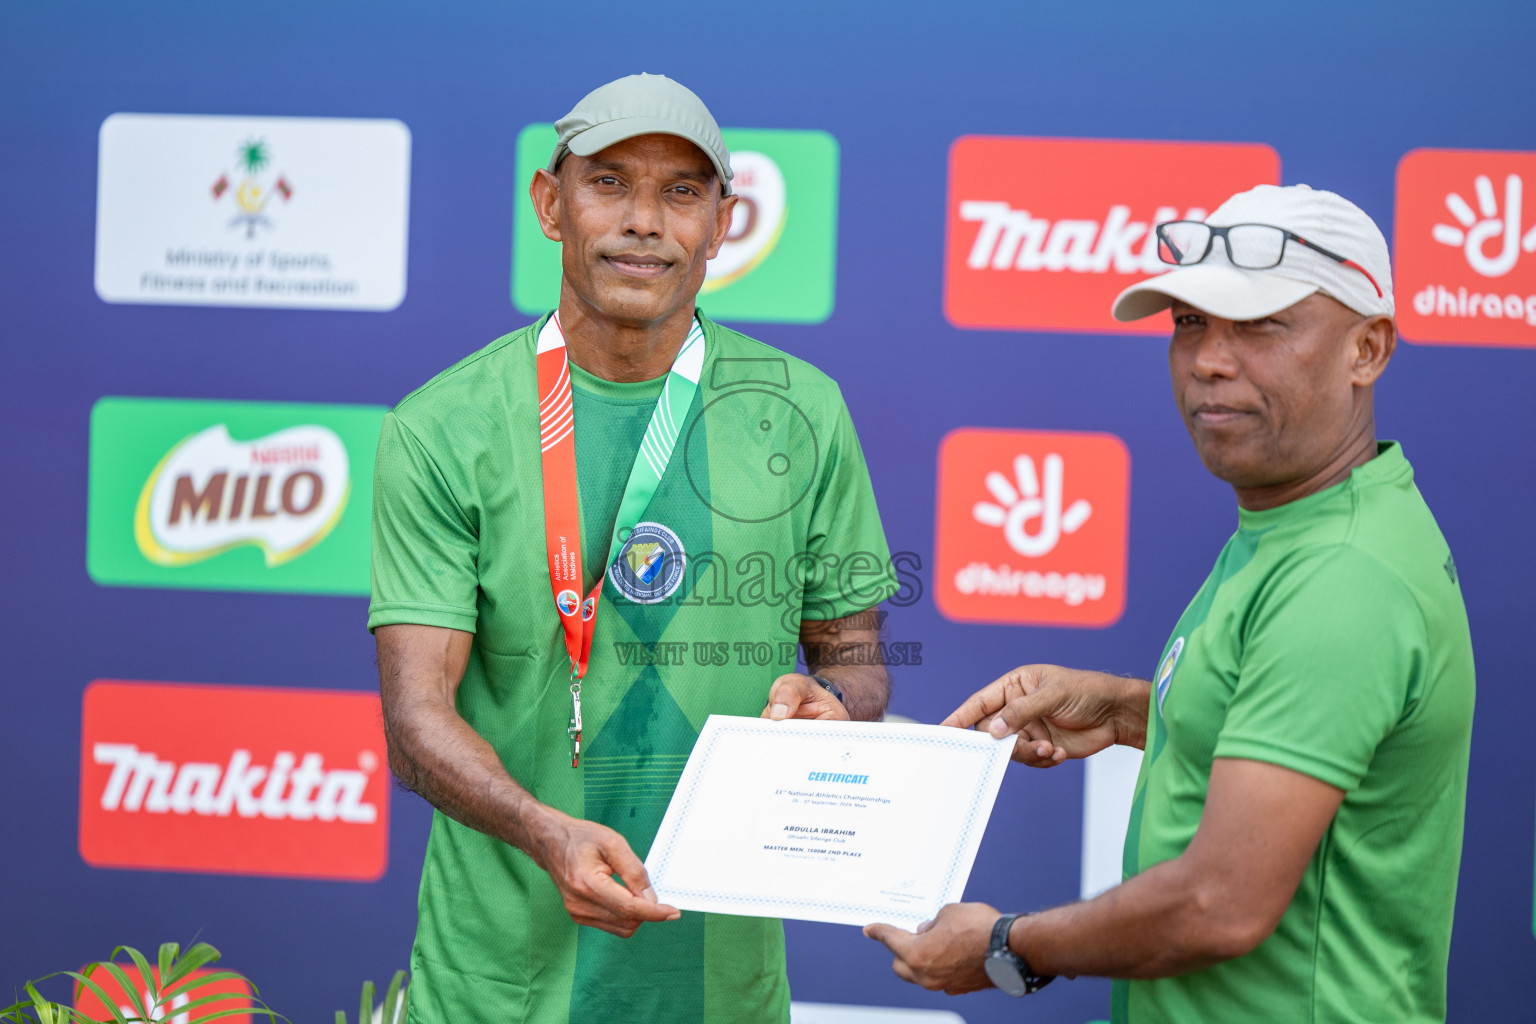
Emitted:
pixel 1330 639
pixel 768 495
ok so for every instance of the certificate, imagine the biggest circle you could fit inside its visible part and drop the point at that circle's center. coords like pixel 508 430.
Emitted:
pixel 841 822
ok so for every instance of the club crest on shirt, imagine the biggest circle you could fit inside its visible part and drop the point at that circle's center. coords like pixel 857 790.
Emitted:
pixel 1165 671
pixel 650 565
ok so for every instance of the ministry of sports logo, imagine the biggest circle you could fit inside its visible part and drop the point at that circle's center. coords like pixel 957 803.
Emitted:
pixel 251 194
pixel 650 565
pixel 293 212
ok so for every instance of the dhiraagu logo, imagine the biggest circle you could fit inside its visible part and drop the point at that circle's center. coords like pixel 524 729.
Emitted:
pixel 778 263
pixel 231 495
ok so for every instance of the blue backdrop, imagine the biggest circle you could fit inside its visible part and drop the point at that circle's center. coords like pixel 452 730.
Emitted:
pixel 1340 90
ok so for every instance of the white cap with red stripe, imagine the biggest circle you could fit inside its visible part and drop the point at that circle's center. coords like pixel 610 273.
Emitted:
pixel 1356 268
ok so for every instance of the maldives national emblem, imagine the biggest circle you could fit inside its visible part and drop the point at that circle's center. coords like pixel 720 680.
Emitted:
pixel 251 194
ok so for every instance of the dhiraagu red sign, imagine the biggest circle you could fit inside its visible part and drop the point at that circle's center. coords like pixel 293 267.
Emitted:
pixel 266 496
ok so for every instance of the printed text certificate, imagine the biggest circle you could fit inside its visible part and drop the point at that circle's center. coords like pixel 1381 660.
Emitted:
pixel 841 822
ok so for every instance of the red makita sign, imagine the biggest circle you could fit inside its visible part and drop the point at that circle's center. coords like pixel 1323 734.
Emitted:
pixel 1044 233
pixel 233 779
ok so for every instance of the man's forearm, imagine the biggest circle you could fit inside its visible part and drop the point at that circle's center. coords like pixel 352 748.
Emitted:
pixel 1160 923
pixel 438 755
pixel 846 653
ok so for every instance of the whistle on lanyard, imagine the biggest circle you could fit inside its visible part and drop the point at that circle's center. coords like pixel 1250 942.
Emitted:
pixel 575 727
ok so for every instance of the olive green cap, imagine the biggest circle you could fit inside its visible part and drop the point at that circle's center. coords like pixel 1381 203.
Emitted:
pixel 641 105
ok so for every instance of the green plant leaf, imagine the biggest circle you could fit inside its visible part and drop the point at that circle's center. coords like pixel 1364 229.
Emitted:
pixel 201 953
pixel 110 1004
pixel 43 1011
pixel 212 997
pixel 187 984
pixel 341 1017
pixel 392 997
pixel 168 951
pixel 365 1008
pixel 130 992
pixel 245 1005
pixel 40 1004
pixel 13 1012
pixel 150 985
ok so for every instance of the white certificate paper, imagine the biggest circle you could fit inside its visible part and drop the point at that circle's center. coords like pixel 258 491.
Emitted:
pixel 840 822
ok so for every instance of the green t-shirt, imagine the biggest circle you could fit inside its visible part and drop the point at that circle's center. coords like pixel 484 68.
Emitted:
pixel 1330 639
pixel 767 508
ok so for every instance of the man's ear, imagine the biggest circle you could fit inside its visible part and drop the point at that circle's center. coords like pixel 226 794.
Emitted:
pixel 1371 347
pixel 544 190
pixel 722 225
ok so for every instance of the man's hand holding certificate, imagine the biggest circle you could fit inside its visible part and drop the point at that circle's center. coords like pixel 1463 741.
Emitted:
pixel 841 822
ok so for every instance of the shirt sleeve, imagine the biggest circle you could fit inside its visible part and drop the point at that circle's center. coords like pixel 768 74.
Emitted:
pixel 852 570
pixel 425 547
pixel 1332 649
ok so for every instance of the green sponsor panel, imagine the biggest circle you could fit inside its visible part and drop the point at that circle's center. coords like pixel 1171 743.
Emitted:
pixel 779 265
pixel 258 496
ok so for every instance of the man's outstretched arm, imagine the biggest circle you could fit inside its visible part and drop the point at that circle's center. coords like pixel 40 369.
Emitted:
pixel 436 753
pixel 1218 900
pixel 1058 713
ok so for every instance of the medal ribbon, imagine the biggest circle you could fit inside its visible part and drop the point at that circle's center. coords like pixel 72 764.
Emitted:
pixel 562 516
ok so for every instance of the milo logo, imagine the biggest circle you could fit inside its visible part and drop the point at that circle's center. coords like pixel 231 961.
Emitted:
pixel 265 496
pixel 756 222
pixel 282 493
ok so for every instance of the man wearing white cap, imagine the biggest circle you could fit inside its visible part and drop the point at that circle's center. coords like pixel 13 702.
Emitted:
pixel 1296 831
pixel 580 533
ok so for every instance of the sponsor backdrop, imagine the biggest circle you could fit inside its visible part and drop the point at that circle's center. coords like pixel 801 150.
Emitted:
pixel 231 240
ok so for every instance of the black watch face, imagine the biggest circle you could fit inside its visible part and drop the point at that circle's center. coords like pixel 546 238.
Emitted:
pixel 1005 975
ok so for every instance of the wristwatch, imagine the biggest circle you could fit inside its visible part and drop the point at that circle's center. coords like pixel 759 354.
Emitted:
pixel 1005 968
pixel 830 688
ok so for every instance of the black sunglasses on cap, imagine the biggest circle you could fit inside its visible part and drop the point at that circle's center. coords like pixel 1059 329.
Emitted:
pixel 1184 243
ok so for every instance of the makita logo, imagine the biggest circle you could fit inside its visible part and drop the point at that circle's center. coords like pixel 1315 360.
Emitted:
pixel 291 787
pixel 233 779
pixel 1043 233
pixel 282 493
pixel 1012 239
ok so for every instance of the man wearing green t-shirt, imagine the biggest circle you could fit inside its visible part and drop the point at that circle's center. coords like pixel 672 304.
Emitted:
pixel 1296 830
pixel 588 537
